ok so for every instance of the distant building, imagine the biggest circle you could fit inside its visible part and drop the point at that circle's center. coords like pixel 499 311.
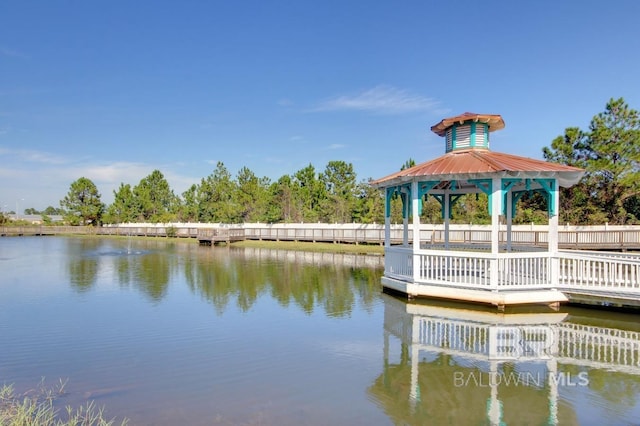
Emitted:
pixel 35 219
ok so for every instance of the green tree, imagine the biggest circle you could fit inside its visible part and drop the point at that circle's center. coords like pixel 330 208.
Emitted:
pixel 123 209
pixel 308 194
pixel 252 196
pixel 216 197
pixel 408 164
pixel 470 208
pixel 50 210
pixel 82 204
pixel 576 206
pixel 282 208
pixel 189 210
pixel 154 200
pixel 610 153
pixel 614 166
pixel 369 205
pixel 339 181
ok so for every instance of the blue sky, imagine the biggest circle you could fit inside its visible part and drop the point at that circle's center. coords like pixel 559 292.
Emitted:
pixel 112 90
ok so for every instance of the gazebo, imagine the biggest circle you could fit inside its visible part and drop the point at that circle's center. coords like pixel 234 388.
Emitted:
pixel 500 273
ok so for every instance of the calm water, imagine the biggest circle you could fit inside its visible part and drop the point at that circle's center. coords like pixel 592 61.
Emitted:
pixel 168 333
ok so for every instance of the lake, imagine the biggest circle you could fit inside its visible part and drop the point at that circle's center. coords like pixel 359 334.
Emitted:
pixel 166 332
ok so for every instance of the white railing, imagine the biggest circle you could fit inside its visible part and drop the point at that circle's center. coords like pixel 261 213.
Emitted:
pixel 516 271
pixel 523 270
pixel 398 263
pixel 598 273
pixel 576 271
pixel 569 237
pixel 454 268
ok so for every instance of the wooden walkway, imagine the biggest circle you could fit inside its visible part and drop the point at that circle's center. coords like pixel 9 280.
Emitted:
pixel 216 236
pixel 583 238
pixel 584 276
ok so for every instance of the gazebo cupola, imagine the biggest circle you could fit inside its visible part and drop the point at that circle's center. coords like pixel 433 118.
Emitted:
pixel 468 130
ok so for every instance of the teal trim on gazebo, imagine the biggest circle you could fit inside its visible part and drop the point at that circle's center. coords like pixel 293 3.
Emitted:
pixel 507 184
pixel 474 142
pixel 549 187
pixel 404 191
pixel 515 197
pixel 440 199
pixel 453 199
pixel 423 189
pixel 486 186
pixel 485 129
pixel 454 138
pixel 472 139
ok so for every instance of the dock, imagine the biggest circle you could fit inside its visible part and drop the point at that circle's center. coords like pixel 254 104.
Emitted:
pixel 217 236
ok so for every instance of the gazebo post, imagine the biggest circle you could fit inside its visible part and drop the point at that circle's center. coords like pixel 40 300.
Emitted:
pixel 495 201
pixel 387 218
pixel 509 212
pixel 415 212
pixel 554 201
pixel 447 213
pixel 406 206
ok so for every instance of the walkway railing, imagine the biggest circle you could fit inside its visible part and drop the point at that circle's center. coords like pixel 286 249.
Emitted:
pixel 522 236
pixel 613 277
pixel 516 271
pixel 599 272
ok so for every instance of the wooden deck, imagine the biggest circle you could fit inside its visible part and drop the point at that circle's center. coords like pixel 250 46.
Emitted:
pixel 607 279
pixel 216 236
pixel 583 276
pixel 523 237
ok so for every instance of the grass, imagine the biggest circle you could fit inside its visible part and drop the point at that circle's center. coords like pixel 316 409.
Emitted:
pixel 313 247
pixel 36 408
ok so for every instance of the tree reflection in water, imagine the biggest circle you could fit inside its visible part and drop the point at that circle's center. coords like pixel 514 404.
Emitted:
pixel 221 276
pixel 308 280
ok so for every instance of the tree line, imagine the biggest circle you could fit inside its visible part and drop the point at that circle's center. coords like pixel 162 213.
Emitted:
pixel 609 151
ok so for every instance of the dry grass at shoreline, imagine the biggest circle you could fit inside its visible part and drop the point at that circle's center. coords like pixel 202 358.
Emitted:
pixel 321 247
pixel 36 408
pixel 368 249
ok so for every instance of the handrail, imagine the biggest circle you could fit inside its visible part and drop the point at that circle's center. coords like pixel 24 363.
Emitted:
pixel 594 238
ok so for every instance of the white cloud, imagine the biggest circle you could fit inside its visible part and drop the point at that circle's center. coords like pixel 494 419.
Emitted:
pixel 285 102
pixel 32 156
pixel 112 173
pixel 381 99
pixel 47 183
pixel 10 52
pixel 336 146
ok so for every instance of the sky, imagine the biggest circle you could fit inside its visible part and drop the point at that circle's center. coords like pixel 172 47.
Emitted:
pixel 113 90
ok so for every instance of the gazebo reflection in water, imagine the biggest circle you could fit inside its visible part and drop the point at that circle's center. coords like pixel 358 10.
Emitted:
pixel 445 363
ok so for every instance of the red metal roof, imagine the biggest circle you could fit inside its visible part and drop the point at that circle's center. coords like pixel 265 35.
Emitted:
pixel 482 163
pixel 495 122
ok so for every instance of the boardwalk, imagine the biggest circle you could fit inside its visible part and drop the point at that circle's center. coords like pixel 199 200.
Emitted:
pixel 588 277
pixel 523 236
pixel 224 235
